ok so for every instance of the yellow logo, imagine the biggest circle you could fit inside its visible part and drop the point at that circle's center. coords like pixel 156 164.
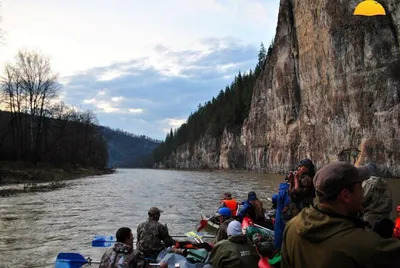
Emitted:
pixel 369 8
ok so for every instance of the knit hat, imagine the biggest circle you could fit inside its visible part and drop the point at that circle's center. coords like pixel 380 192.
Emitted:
pixel 234 228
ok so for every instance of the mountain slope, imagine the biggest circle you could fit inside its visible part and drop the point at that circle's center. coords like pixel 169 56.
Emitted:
pixel 126 150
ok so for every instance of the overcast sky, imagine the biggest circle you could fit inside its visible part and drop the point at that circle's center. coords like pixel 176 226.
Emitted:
pixel 142 66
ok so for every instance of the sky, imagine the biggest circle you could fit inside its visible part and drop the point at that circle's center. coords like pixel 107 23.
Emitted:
pixel 141 66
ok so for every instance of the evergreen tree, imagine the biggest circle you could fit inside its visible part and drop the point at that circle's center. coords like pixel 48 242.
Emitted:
pixel 228 109
pixel 262 54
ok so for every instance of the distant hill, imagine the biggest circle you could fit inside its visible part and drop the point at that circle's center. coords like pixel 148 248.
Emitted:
pixel 126 150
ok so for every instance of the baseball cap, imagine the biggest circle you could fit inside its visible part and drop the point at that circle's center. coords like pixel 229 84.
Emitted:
pixel 154 211
pixel 334 177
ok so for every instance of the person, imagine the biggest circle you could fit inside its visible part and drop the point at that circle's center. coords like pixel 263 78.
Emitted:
pixel 301 190
pixel 234 252
pixel 396 228
pixel 230 203
pixel 122 254
pixel 378 202
pixel 225 217
pixel 253 207
pixel 330 234
pixel 152 236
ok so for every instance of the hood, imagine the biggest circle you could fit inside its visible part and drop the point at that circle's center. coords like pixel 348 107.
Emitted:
pixel 122 248
pixel 377 183
pixel 238 239
pixel 318 224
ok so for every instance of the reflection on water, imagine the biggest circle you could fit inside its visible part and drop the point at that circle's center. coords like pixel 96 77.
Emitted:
pixel 35 227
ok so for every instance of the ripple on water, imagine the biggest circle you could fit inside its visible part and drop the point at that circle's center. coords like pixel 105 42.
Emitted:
pixel 34 228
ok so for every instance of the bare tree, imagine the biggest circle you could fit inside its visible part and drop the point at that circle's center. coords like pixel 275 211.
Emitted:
pixel 30 86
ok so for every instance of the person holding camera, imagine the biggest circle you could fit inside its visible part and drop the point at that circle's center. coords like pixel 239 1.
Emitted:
pixel 301 189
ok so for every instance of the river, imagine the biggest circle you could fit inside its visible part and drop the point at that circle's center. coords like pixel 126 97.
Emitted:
pixel 35 227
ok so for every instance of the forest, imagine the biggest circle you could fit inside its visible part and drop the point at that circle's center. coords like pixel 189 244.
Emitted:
pixel 229 109
pixel 37 128
pixel 126 150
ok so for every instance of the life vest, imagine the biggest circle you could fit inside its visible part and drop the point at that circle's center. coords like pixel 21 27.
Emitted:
pixel 232 205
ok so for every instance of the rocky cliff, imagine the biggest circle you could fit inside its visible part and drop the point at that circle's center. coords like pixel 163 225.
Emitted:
pixel 327 92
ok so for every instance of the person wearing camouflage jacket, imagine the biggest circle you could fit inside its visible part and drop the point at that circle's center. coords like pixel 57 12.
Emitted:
pixel 377 203
pixel 152 236
pixel 122 255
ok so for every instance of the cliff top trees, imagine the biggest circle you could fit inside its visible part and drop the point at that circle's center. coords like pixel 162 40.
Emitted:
pixel 229 109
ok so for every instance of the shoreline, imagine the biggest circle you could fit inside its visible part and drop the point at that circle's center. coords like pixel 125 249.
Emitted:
pixel 219 170
pixel 17 178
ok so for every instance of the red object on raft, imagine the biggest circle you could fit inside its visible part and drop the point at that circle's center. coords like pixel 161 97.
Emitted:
pixel 263 262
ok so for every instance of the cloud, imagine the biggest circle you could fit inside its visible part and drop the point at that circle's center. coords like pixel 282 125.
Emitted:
pixel 158 93
pixel 171 123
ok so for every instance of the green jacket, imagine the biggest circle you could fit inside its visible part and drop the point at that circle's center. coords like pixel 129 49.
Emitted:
pixel 234 252
pixel 221 231
pixel 321 238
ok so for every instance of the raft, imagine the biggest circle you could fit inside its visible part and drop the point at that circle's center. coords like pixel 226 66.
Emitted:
pixel 211 222
pixel 264 261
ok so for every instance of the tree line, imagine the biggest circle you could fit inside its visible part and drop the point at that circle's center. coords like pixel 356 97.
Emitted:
pixel 35 127
pixel 229 109
pixel 125 133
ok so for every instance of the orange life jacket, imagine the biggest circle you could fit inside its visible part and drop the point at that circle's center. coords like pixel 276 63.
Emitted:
pixel 232 205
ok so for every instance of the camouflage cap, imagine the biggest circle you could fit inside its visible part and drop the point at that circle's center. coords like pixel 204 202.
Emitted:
pixel 154 211
pixel 334 177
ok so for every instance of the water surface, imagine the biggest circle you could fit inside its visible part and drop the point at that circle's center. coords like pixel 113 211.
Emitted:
pixel 35 227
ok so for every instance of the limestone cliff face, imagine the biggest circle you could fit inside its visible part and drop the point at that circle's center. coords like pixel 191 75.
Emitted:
pixel 327 88
pixel 326 93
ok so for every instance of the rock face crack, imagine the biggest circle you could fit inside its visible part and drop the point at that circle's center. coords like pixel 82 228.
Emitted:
pixel 296 71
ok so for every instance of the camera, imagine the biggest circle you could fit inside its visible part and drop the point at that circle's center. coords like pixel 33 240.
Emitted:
pixel 290 174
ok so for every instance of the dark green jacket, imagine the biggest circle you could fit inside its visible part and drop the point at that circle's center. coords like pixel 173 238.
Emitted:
pixel 221 231
pixel 321 238
pixel 235 252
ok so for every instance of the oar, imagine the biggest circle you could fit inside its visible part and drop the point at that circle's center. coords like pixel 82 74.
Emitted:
pixel 262 227
pixel 103 241
pixel 196 237
pixel 203 222
pixel 72 260
pixel 76 260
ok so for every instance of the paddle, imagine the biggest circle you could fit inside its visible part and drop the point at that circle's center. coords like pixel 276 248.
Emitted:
pixel 71 260
pixel 203 222
pixel 76 260
pixel 103 241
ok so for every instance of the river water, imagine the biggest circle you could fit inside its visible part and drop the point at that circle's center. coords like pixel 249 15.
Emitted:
pixel 35 227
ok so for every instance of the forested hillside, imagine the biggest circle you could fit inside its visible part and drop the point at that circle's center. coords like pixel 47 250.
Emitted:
pixel 228 109
pixel 127 150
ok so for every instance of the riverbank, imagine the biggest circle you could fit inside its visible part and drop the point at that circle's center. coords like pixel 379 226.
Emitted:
pixel 221 170
pixel 21 177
